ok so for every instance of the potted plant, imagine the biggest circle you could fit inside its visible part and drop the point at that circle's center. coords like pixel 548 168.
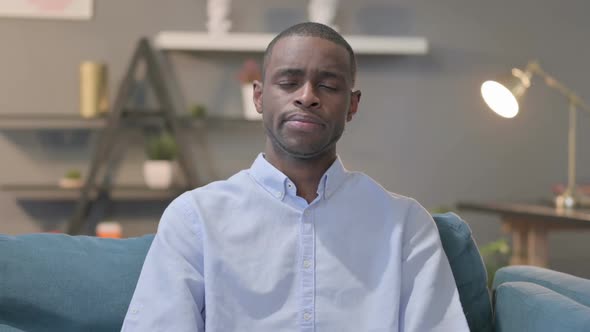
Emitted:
pixel 198 111
pixel 71 180
pixel 161 151
pixel 249 73
pixel 495 255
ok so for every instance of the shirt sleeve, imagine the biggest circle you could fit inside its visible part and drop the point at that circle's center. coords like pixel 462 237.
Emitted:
pixel 169 295
pixel 429 297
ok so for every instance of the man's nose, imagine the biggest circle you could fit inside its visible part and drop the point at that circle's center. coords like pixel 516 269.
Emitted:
pixel 307 97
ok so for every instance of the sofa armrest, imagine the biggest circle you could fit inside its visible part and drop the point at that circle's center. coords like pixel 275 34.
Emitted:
pixel 577 289
pixel 524 306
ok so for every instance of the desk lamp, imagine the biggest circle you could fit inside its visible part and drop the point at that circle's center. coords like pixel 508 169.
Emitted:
pixel 502 97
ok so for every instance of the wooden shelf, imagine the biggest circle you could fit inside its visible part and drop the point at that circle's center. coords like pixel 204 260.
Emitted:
pixel 73 121
pixel 49 192
pixel 251 42
pixel 48 121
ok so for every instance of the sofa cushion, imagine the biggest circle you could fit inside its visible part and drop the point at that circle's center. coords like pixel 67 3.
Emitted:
pixel 468 269
pixel 525 306
pixel 577 289
pixel 68 283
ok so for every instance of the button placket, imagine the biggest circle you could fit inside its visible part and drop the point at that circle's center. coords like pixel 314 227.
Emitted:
pixel 307 269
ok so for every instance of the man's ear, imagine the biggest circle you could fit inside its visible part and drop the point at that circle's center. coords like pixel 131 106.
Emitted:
pixel 257 96
pixel 355 99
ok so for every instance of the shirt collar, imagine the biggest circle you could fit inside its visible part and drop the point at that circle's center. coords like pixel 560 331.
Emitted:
pixel 275 182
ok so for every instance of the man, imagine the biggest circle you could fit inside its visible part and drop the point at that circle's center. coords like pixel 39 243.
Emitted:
pixel 296 242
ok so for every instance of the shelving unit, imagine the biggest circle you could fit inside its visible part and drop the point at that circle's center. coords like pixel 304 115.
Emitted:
pixel 98 191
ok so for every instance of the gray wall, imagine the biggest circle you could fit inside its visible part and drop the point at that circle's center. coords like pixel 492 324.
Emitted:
pixel 422 130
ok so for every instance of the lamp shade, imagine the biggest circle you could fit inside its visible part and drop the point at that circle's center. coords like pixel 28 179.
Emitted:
pixel 502 95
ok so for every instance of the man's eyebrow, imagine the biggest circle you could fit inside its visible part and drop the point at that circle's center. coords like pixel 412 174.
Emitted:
pixel 288 72
pixel 331 74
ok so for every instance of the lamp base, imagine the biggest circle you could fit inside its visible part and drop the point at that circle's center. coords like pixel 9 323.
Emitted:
pixel 566 201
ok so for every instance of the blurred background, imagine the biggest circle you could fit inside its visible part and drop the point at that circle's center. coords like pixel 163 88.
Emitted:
pixel 422 130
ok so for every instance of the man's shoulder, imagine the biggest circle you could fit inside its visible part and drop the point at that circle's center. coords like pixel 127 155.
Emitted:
pixel 215 193
pixel 368 185
pixel 238 181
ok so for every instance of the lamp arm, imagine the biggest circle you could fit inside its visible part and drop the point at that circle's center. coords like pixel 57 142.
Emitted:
pixel 569 198
pixel 573 98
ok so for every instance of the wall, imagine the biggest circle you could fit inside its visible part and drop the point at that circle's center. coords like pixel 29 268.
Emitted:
pixel 422 130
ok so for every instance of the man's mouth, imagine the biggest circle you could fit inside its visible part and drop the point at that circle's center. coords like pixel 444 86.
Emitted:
pixel 304 119
pixel 303 122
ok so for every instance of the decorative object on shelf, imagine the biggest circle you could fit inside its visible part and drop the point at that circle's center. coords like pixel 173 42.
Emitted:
pixel 217 16
pixel 93 89
pixel 249 73
pixel 65 9
pixel 158 169
pixel 198 111
pixel 109 229
pixel 502 97
pixel 71 180
pixel 323 11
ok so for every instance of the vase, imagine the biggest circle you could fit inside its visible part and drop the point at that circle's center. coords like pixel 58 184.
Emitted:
pixel 217 16
pixel 250 112
pixel 323 11
pixel 93 89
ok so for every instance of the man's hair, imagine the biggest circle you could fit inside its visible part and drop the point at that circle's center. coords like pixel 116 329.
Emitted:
pixel 312 29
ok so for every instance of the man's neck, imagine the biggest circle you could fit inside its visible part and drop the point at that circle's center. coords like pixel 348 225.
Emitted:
pixel 305 173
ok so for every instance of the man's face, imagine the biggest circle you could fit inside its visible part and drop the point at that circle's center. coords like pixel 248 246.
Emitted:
pixel 306 97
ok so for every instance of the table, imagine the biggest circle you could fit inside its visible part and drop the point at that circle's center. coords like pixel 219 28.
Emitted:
pixel 529 225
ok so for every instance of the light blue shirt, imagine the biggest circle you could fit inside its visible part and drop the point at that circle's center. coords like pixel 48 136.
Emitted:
pixel 248 254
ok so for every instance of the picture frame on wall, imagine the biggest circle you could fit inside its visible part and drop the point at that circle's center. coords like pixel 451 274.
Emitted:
pixel 47 9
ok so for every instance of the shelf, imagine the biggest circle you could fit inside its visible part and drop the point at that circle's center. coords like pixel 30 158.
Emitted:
pixel 48 121
pixel 49 192
pixel 251 42
pixel 74 121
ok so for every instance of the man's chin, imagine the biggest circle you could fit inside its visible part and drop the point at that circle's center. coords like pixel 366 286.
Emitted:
pixel 304 153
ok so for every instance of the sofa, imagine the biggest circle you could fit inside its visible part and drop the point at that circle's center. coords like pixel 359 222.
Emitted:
pixel 56 282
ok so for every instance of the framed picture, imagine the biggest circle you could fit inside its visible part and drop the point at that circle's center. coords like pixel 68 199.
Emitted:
pixel 49 9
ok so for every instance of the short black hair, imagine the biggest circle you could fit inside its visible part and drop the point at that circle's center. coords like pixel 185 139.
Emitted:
pixel 312 29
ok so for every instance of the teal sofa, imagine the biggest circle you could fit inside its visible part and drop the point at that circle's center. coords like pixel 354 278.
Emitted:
pixel 55 282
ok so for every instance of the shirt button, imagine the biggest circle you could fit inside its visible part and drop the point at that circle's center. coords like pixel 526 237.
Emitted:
pixel 289 185
pixel 307 316
pixel 279 194
pixel 307 264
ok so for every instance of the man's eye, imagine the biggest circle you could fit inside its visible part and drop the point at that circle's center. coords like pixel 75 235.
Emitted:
pixel 286 85
pixel 328 87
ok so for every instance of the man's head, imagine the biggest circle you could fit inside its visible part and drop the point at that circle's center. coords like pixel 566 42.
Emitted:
pixel 311 29
pixel 306 95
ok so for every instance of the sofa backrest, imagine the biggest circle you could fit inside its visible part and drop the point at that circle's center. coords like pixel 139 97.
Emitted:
pixel 80 283
pixel 68 283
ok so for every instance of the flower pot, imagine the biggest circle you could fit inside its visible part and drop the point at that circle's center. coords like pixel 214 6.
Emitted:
pixel 158 173
pixel 69 183
pixel 250 112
